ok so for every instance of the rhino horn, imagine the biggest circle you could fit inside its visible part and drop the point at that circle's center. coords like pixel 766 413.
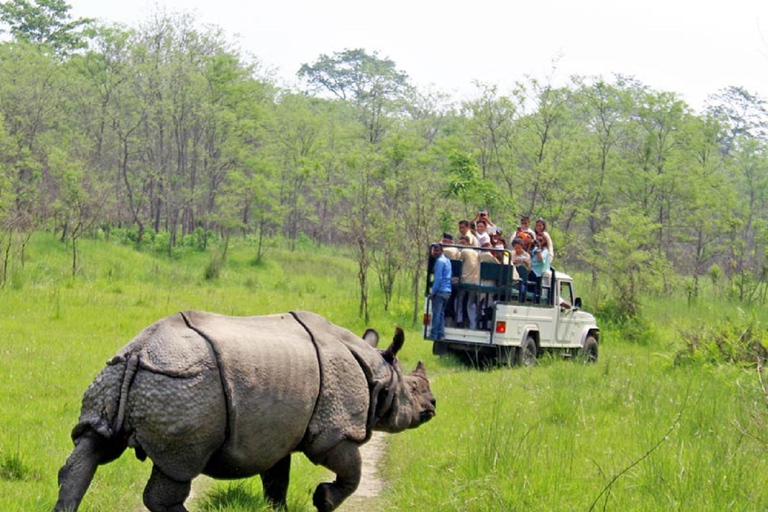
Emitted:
pixel 371 337
pixel 394 348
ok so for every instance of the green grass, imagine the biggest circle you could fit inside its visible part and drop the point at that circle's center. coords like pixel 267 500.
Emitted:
pixel 552 438
pixel 548 438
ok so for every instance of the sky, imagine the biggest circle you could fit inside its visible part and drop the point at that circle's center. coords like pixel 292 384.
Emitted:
pixel 691 48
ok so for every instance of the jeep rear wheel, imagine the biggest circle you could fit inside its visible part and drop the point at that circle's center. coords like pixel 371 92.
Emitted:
pixel 526 354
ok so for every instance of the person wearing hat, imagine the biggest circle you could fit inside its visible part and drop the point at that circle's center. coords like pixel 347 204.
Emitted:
pixel 440 293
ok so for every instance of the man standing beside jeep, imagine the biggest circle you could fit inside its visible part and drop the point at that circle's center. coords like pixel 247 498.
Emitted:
pixel 441 292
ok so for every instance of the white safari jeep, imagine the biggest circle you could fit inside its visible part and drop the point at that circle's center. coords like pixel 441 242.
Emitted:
pixel 505 316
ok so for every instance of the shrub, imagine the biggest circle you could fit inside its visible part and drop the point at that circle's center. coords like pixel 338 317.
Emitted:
pixel 740 340
pixel 213 268
pixel 635 328
pixel 199 239
pixel 12 468
pixel 162 242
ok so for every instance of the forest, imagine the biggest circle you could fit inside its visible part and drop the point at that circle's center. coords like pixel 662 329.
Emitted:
pixel 167 135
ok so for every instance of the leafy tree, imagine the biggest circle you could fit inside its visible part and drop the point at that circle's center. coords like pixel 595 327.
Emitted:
pixel 706 200
pixel 373 84
pixel 80 202
pixel 466 184
pixel 44 22
pixel 603 109
pixel 362 194
pixel 31 90
pixel 743 114
pixel 298 145
pixel 493 131
pixel 623 254
pixel 747 252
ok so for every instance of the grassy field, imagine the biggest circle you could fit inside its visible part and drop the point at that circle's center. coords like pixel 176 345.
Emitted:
pixel 633 432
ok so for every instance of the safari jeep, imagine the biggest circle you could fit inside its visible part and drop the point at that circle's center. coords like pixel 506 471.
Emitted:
pixel 514 321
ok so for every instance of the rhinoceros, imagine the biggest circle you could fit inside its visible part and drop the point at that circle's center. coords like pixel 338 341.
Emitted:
pixel 232 397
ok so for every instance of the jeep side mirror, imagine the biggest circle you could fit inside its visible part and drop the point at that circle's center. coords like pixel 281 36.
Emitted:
pixel 577 303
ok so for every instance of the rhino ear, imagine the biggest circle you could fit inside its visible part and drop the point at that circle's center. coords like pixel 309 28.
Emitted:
pixel 394 348
pixel 420 369
pixel 371 337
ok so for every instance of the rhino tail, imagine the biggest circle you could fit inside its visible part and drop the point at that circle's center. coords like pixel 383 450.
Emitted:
pixel 131 366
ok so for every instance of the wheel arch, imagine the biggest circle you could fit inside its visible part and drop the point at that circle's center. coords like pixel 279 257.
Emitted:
pixel 534 332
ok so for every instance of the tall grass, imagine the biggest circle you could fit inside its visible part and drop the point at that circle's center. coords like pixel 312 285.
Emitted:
pixel 58 332
pixel 634 432
pixel 554 438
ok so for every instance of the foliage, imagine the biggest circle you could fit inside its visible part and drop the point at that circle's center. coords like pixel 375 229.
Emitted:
pixel 742 339
pixel 635 328
pixel 623 254
pixel 44 22
pixel 167 131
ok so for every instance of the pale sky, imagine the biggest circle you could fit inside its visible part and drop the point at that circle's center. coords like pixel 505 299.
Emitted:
pixel 692 48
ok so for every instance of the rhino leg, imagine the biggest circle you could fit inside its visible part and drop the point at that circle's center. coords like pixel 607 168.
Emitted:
pixel 344 460
pixel 275 482
pixel 76 474
pixel 163 494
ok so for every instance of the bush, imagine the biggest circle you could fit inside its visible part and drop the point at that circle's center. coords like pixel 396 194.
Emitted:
pixel 742 340
pixel 214 267
pixel 162 242
pixel 634 328
pixel 199 239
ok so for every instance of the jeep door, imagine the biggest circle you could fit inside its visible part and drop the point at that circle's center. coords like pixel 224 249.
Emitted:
pixel 567 329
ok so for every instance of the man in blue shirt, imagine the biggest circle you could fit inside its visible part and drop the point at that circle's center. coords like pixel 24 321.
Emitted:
pixel 441 292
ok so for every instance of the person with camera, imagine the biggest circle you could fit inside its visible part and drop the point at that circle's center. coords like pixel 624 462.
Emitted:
pixel 482 215
pixel 540 261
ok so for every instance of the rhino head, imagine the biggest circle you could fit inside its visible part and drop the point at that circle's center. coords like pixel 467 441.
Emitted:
pixel 407 401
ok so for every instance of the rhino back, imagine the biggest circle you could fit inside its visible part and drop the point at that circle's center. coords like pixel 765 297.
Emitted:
pixel 271 378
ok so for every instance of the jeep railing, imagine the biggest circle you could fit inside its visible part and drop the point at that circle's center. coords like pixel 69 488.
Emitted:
pixel 500 280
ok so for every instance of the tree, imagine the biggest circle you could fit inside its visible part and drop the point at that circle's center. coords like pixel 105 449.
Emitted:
pixel 743 114
pixel 298 143
pixel 466 184
pixel 80 202
pixel 31 92
pixel 361 194
pixel 604 110
pixel 624 255
pixel 44 22
pixel 373 84
pixel 492 128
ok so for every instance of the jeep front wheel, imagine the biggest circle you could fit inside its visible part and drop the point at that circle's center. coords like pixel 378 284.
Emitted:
pixel 588 353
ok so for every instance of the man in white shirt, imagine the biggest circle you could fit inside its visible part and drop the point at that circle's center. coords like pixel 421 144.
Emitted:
pixel 470 274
